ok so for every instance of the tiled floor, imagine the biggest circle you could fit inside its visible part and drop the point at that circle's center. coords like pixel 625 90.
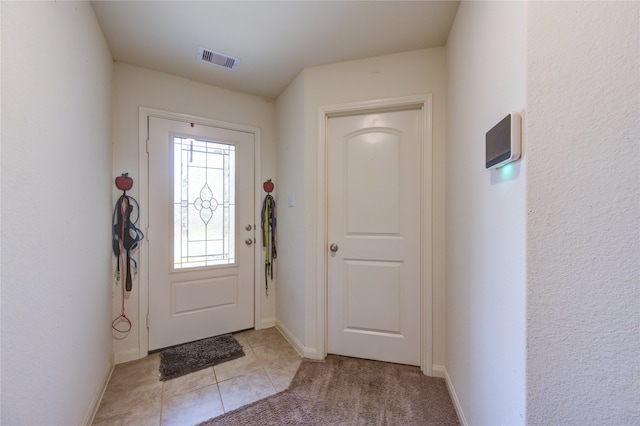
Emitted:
pixel 136 396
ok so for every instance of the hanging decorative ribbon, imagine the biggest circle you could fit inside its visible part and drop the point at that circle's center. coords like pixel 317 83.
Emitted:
pixel 268 224
pixel 125 238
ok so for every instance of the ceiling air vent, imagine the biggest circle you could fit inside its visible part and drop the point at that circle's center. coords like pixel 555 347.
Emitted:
pixel 217 58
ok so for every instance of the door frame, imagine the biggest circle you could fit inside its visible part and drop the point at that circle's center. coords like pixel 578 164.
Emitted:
pixel 143 166
pixel 423 102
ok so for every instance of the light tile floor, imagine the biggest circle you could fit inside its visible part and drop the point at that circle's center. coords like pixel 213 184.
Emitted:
pixel 136 396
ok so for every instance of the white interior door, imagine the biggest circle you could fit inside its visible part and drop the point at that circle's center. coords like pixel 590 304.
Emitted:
pixel 374 207
pixel 201 231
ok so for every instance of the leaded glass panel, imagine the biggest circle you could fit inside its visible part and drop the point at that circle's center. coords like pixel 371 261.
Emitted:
pixel 204 203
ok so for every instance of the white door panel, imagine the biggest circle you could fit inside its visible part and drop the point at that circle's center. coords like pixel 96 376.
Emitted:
pixel 374 204
pixel 200 200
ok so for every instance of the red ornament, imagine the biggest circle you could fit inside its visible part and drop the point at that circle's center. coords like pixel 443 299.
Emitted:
pixel 124 182
pixel 268 186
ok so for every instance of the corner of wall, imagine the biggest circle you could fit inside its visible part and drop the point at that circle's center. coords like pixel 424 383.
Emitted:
pixel 99 393
pixel 455 399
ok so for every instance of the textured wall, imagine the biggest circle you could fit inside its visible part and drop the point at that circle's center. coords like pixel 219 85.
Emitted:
pixel 56 211
pixel 486 215
pixel 583 248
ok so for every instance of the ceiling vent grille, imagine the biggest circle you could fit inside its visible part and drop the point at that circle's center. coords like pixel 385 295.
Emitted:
pixel 217 58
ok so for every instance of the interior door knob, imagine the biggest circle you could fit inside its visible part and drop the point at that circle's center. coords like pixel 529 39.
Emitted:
pixel 333 247
pixel 248 241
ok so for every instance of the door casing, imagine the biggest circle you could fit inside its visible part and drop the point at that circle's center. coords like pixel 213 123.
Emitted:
pixel 143 177
pixel 424 102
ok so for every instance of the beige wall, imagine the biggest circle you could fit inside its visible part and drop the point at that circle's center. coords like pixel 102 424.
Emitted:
pixel 135 87
pixel 583 196
pixel 486 216
pixel 290 304
pixel 553 338
pixel 56 210
pixel 404 74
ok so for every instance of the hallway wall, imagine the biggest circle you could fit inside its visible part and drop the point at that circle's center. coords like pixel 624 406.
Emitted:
pixel 571 245
pixel 583 196
pixel 290 303
pixel 403 74
pixel 486 215
pixel 135 87
pixel 56 211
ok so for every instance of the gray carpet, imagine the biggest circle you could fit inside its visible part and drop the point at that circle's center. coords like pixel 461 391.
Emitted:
pixel 350 391
pixel 184 359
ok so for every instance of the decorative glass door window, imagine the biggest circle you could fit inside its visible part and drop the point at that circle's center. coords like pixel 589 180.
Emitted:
pixel 204 203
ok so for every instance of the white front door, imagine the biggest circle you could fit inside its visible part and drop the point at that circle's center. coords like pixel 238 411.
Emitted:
pixel 373 230
pixel 201 236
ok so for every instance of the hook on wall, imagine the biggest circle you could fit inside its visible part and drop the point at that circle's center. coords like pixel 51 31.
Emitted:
pixel 268 186
pixel 124 182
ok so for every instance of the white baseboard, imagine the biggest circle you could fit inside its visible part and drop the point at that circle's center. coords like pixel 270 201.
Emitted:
pixel 303 351
pixel 266 323
pixel 454 398
pixel 312 353
pixel 126 356
pixel 438 371
pixel 297 345
pixel 97 398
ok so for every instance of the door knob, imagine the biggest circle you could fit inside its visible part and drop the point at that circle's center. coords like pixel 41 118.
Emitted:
pixel 333 247
pixel 248 241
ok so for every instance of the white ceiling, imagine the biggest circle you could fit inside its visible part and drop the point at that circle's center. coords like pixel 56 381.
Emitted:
pixel 274 40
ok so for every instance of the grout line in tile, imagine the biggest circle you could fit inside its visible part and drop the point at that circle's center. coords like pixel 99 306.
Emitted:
pixel 271 380
pixel 215 375
pixel 161 406
pixel 224 410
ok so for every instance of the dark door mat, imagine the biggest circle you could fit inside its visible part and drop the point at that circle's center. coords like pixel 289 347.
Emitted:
pixel 190 357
